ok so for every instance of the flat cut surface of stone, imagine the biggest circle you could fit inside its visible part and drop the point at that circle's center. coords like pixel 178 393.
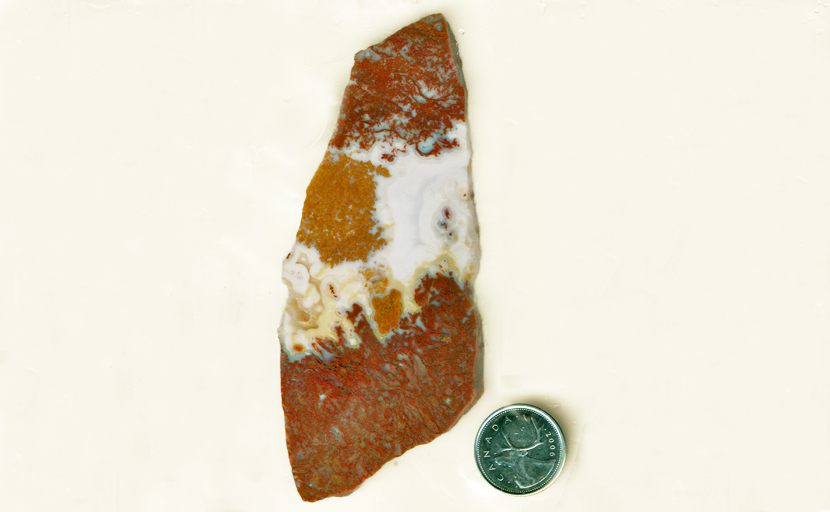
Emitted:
pixel 381 340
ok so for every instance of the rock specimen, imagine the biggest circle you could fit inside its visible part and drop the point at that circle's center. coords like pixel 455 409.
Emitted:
pixel 381 340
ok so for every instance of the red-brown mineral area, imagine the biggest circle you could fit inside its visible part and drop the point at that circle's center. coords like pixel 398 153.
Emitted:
pixel 381 340
pixel 409 87
pixel 349 412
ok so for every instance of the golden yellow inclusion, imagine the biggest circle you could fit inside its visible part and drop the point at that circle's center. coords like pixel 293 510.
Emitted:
pixel 338 212
pixel 387 310
pixel 375 279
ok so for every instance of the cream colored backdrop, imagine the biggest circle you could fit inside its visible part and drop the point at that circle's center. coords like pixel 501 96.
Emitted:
pixel 653 189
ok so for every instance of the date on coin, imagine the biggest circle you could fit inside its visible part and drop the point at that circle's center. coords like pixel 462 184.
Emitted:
pixel 520 449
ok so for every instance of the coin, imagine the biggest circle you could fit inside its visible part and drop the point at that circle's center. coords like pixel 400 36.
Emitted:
pixel 520 449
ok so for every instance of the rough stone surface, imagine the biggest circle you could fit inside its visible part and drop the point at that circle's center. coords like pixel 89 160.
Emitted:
pixel 381 340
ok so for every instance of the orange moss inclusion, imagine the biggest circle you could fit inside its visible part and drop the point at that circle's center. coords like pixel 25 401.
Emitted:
pixel 338 212
pixel 375 278
pixel 387 311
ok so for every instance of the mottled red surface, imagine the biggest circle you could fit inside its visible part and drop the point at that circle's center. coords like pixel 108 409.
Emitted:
pixel 348 414
pixel 409 88
pixel 348 410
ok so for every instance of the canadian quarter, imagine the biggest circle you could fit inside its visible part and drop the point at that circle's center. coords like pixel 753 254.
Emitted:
pixel 520 449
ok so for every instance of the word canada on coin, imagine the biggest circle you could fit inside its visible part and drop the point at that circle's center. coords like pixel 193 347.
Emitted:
pixel 520 449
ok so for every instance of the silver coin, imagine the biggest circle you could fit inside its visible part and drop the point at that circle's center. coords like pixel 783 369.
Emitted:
pixel 520 449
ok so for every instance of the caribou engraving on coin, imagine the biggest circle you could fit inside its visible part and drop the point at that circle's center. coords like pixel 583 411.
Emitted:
pixel 520 449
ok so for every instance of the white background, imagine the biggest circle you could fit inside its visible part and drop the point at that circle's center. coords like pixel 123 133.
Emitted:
pixel 653 188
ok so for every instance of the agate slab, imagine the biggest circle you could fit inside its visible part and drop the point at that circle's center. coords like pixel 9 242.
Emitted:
pixel 381 340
